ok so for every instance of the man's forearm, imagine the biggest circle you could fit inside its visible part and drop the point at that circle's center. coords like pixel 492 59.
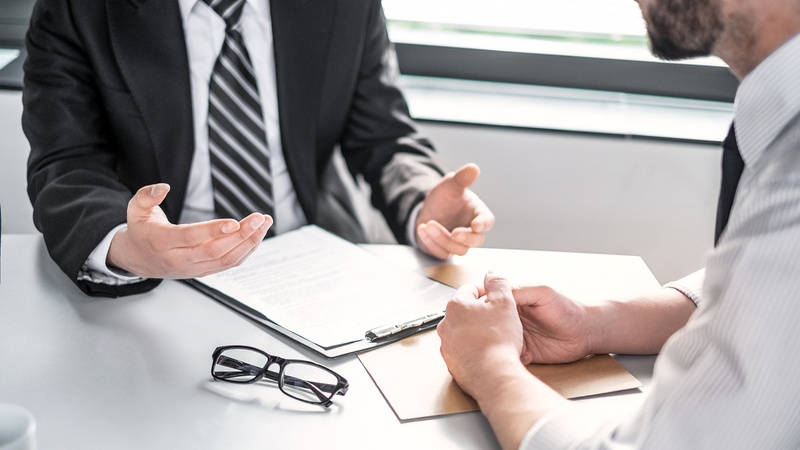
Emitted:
pixel 515 403
pixel 641 325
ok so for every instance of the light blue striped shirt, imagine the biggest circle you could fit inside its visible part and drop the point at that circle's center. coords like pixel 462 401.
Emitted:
pixel 731 377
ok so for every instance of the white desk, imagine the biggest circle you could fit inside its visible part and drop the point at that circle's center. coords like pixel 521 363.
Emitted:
pixel 133 373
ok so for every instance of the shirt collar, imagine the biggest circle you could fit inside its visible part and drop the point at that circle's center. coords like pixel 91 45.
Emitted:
pixel 767 100
pixel 187 6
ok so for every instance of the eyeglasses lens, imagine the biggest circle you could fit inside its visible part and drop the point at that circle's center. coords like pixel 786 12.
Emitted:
pixel 239 365
pixel 308 382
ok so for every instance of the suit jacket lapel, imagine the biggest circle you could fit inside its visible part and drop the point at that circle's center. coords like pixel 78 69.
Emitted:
pixel 149 45
pixel 301 30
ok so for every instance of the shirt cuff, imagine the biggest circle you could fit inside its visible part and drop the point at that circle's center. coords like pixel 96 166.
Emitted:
pixel 571 426
pixel 690 286
pixel 411 230
pixel 96 269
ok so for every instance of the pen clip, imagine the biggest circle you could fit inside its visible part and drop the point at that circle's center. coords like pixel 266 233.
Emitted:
pixel 406 328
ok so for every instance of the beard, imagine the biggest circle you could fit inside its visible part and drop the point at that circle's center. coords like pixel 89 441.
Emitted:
pixel 680 29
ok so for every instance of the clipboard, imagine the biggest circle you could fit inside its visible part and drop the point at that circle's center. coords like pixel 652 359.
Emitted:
pixel 330 353
pixel 352 346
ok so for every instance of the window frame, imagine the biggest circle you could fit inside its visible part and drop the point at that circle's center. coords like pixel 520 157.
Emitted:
pixel 615 75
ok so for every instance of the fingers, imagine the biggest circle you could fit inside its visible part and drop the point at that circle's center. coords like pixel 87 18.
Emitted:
pixel 483 221
pixel 217 248
pixel 467 237
pixel 466 176
pixel 147 198
pixel 532 295
pixel 498 288
pixel 260 238
pixel 467 293
pixel 431 247
pixel 237 255
pixel 190 235
pixel 247 247
pixel 439 241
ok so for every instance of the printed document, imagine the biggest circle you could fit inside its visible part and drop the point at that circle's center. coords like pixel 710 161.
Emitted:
pixel 326 289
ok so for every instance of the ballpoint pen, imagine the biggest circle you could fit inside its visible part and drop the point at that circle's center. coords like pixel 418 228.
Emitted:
pixel 418 324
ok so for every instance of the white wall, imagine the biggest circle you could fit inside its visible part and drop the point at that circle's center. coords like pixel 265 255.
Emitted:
pixel 549 191
pixel 13 159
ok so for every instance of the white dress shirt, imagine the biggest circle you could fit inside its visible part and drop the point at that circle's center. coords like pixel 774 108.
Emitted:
pixel 731 377
pixel 204 32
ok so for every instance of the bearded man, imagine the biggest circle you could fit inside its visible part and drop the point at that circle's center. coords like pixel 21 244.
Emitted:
pixel 727 374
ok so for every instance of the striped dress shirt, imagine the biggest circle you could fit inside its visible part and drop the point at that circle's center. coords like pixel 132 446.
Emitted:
pixel 731 377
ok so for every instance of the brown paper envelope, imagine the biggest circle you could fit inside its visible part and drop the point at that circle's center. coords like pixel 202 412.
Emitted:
pixel 413 378
pixel 584 277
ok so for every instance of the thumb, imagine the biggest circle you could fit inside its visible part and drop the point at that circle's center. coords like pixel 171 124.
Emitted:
pixel 498 288
pixel 148 198
pixel 466 176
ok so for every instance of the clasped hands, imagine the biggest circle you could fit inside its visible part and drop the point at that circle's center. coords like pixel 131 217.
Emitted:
pixel 490 332
pixel 452 219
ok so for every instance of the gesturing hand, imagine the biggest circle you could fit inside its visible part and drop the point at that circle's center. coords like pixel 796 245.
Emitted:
pixel 556 329
pixel 453 219
pixel 152 247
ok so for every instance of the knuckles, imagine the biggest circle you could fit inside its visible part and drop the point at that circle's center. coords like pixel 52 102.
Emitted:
pixel 547 291
pixel 499 297
pixel 455 309
pixel 496 281
pixel 453 304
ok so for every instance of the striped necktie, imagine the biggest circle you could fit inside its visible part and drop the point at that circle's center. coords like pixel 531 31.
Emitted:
pixel 237 140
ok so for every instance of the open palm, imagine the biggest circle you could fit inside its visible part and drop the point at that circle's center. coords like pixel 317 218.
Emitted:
pixel 452 218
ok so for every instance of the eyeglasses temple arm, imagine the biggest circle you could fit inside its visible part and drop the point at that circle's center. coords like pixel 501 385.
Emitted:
pixel 239 365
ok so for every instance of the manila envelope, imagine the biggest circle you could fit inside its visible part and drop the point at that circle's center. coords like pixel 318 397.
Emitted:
pixel 413 378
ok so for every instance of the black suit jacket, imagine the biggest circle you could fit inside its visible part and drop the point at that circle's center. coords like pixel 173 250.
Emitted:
pixel 107 109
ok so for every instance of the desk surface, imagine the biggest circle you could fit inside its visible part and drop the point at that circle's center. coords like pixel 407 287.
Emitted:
pixel 133 373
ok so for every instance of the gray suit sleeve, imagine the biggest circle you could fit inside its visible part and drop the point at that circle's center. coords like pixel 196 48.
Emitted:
pixel 381 140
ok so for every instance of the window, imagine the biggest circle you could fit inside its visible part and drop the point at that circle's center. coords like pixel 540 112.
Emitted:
pixel 14 16
pixel 587 44
pixel 578 17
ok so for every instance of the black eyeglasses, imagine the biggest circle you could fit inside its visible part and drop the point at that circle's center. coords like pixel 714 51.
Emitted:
pixel 302 380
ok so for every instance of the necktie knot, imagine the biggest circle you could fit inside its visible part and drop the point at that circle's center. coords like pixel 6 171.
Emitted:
pixel 229 10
